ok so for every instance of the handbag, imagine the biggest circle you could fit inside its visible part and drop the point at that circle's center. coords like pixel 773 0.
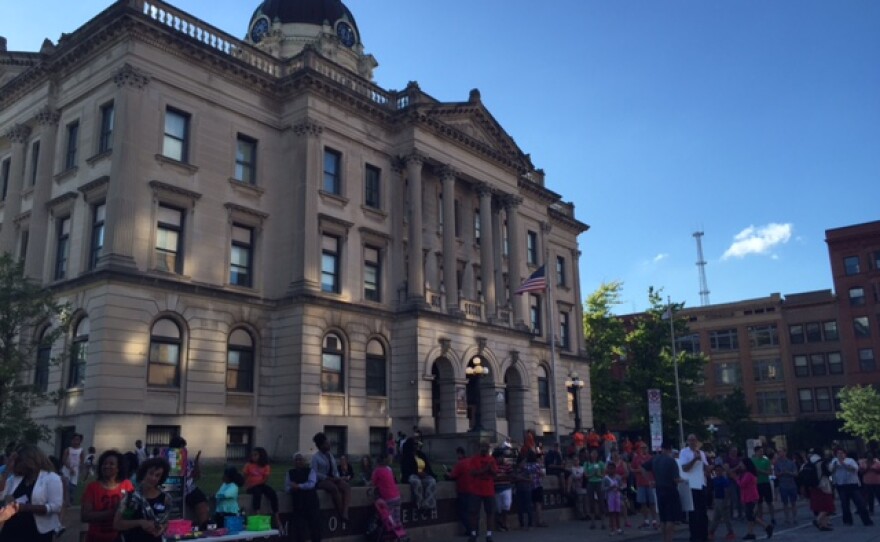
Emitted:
pixel 825 485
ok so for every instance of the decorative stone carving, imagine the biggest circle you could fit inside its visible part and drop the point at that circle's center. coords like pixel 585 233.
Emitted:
pixel 308 127
pixel 447 172
pixel 483 189
pixel 18 133
pixel 414 156
pixel 129 76
pixel 48 116
pixel 511 202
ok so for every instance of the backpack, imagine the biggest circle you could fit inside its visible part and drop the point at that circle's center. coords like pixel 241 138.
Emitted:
pixel 808 475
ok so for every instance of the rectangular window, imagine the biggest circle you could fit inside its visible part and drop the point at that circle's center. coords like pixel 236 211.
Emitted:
pixel 867 363
pixel 79 355
pixel 4 178
pixel 377 440
pixel 543 389
pixel 724 339
pixel 560 271
pixel 535 313
pixel 241 259
pixel 41 368
pixel 763 336
pixel 246 159
pixel 772 403
pixel 801 366
pixel 823 400
pixel 505 245
pixel 332 172
pixel 817 365
pixel 830 329
pixel 176 142
pixel 62 248
pixel 72 142
pixel 532 248
pixel 372 274
pixel 728 374
pixel 238 443
pixel 814 332
pixel 99 213
pixel 856 297
pixel 376 376
pixel 767 370
pixel 851 265
pixel 108 120
pixel 688 343
pixel 805 400
pixel 564 335
pixel 330 264
pixel 373 187
pixel 835 363
pixel 169 239
pixel 159 436
pixel 337 435
pixel 35 160
pixel 478 227
pixel 862 326
pixel 796 334
pixel 23 245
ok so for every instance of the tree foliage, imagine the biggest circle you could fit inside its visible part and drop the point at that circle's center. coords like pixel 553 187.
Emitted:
pixel 860 412
pixel 644 350
pixel 736 416
pixel 29 318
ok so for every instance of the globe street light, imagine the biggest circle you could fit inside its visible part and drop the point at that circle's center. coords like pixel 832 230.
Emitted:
pixel 574 385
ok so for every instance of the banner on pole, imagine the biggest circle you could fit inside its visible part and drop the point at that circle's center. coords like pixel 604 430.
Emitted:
pixel 655 418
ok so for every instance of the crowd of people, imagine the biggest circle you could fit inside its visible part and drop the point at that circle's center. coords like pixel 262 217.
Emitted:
pixel 608 483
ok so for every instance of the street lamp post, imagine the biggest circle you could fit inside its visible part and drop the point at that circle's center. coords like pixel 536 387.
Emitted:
pixel 475 370
pixel 574 385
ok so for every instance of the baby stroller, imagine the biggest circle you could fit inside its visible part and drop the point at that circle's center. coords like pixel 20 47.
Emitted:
pixel 383 528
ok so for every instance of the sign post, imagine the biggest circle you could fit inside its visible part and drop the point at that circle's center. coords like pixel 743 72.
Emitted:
pixel 655 417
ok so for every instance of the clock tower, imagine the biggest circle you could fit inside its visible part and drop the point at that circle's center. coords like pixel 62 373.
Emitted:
pixel 283 28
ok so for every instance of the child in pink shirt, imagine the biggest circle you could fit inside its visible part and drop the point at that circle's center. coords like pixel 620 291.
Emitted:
pixel 386 486
pixel 748 490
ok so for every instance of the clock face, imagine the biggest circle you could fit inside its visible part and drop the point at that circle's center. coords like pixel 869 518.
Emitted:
pixel 345 33
pixel 259 30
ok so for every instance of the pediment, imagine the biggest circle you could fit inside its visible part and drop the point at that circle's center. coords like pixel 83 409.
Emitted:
pixel 473 122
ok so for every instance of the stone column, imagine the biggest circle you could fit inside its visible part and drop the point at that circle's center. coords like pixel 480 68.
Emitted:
pixel 18 134
pixel 577 331
pixel 118 250
pixel 47 120
pixel 498 254
pixel 514 266
pixel 450 262
pixel 416 272
pixel 487 244
pixel 307 235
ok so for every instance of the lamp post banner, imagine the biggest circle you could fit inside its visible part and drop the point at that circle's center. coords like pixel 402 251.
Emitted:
pixel 655 418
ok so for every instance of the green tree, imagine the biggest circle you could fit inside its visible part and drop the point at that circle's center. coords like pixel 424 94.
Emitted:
pixel 650 364
pixel 604 337
pixel 25 309
pixel 736 415
pixel 860 412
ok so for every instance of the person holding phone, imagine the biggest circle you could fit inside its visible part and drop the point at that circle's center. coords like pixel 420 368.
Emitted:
pixel 35 494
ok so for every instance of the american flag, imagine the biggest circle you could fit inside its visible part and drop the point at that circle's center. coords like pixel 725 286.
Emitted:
pixel 537 282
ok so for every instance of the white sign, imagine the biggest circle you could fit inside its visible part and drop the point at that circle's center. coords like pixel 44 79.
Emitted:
pixel 655 419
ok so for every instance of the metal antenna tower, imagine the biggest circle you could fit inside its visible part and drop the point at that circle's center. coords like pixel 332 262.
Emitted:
pixel 701 263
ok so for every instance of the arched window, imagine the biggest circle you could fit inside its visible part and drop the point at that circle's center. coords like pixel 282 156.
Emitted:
pixel 543 388
pixel 165 346
pixel 240 362
pixel 79 354
pixel 44 357
pixel 332 364
pixel 376 367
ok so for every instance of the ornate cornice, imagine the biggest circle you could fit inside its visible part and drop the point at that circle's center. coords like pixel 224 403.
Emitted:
pixel 18 133
pixel 510 201
pixel 569 223
pixel 130 76
pixel 308 128
pixel 61 200
pixel 93 186
pixel 539 192
pixel 48 116
pixel 159 187
pixel 235 208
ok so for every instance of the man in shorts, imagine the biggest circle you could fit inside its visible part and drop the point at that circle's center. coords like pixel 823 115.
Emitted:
pixel 667 475
pixel 765 488
pixel 645 494
pixel 786 473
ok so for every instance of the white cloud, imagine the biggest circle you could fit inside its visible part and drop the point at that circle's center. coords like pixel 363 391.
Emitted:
pixel 660 257
pixel 758 240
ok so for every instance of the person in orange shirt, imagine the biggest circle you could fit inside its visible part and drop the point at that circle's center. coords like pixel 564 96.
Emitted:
pixel 593 440
pixel 256 477
pixel 580 440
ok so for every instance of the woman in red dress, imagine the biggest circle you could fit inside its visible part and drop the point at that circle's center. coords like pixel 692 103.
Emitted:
pixel 102 497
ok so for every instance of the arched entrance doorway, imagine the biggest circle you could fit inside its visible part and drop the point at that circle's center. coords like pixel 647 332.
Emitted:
pixel 443 396
pixel 514 403
pixel 480 408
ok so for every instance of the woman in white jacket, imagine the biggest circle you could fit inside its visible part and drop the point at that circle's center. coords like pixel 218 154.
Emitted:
pixel 39 494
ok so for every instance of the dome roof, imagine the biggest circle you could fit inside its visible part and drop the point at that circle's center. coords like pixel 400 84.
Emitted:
pixel 304 11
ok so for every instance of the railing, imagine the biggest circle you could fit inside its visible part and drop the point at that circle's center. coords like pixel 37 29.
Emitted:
pixel 473 310
pixel 202 32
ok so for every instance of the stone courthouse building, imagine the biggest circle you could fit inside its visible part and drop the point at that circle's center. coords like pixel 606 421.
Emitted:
pixel 257 242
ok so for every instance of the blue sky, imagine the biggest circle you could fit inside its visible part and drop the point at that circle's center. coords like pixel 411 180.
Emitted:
pixel 755 121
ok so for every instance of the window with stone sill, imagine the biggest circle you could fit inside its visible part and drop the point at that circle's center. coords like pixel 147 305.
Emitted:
pixel 72 144
pixel 166 345
pixel 851 265
pixel 240 362
pixel 805 400
pixel 62 247
pixel 332 364
pixel 856 297
pixel 801 366
pixel 372 187
pixel 830 330
pixel 175 144
pixel 245 159
pixel 79 354
pixel 332 172
pixel 108 120
pixel 862 326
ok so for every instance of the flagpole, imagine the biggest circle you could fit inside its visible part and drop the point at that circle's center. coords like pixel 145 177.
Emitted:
pixel 552 333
